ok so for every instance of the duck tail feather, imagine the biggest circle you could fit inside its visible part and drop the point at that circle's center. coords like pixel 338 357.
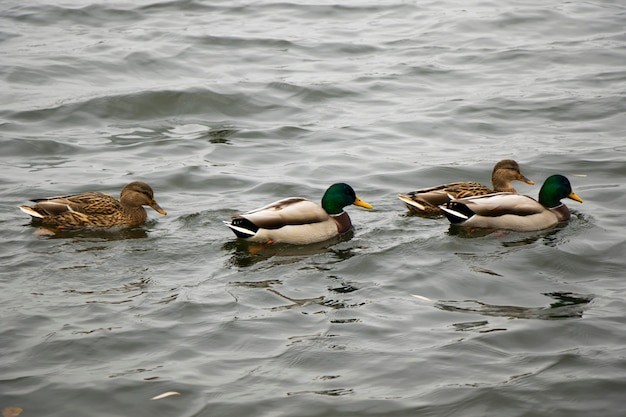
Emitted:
pixel 456 212
pixel 410 202
pixel 31 212
pixel 242 227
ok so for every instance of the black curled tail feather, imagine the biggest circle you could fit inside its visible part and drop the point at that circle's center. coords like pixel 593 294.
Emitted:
pixel 242 227
pixel 456 212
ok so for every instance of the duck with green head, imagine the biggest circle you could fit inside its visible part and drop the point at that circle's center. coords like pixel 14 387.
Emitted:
pixel 514 211
pixel 297 220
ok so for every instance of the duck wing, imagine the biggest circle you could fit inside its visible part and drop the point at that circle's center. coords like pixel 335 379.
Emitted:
pixel 498 204
pixel 90 203
pixel 426 199
pixel 491 206
pixel 288 211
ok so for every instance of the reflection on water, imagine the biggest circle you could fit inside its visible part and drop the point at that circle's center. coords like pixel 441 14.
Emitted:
pixel 221 135
pixel 567 305
pixel 299 302
pixel 95 234
pixel 258 284
pixel 470 232
pixel 512 238
pixel 424 215
pixel 246 254
pixel 331 392
pixel 295 302
pixel 521 238
pixel 126 293
pixel 470 325
pixel 137 287
pixel 344 288
pixel 268 284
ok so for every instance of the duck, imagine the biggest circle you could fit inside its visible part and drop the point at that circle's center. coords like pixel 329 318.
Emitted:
pixel 297 220
pixel 510 211
pixel 94 209
pixel 426 201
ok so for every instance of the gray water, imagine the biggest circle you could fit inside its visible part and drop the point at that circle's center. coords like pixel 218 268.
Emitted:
pixel 224 106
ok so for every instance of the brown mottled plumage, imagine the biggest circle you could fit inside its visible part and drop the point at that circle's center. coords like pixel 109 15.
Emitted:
pixel 427 200
pixel 95 209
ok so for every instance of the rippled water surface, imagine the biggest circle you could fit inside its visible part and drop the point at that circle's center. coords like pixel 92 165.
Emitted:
pixel 223 106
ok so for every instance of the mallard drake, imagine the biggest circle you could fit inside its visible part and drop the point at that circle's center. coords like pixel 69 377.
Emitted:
pixel 514 211
pixel 95 209
pixel 427 200
pixel 297 220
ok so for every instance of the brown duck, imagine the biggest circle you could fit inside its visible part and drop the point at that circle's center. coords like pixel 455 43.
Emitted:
pixel 95 209
pixel 427 200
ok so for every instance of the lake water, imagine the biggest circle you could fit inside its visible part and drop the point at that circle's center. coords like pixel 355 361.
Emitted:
pixel 224 106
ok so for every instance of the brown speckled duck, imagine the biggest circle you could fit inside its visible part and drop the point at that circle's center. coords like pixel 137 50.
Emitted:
pixel 95 209
pixel 427 200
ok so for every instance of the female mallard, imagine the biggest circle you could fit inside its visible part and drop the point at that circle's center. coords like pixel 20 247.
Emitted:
pixel 428 200
pixel 297 220
pixel 95 209
pixel 514 211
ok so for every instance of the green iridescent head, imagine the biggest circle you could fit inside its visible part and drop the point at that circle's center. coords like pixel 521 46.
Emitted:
pixel 337 196
pixel 554 189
